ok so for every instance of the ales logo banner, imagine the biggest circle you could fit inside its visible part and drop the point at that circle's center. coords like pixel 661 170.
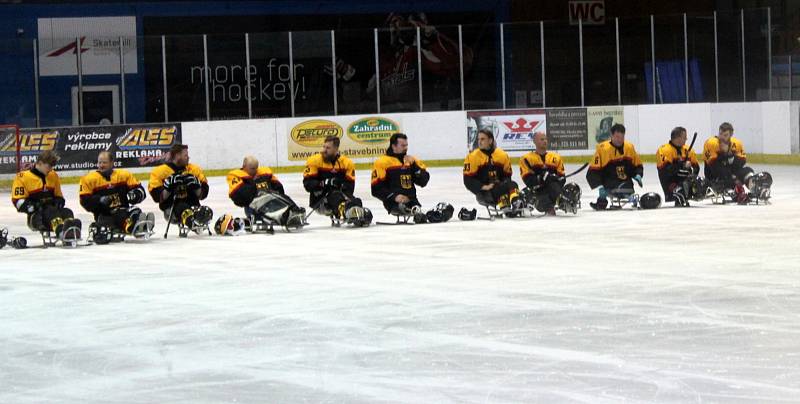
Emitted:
pixel 139 137
pixel 132 146
pixel 30 143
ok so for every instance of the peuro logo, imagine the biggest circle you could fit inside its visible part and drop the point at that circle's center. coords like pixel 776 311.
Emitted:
pixel 29 143
pixel 137 137
pixel 372 130
pixel 313 133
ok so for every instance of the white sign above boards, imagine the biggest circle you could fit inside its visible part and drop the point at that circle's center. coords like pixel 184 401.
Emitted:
pixel 98 39
pixel 590 12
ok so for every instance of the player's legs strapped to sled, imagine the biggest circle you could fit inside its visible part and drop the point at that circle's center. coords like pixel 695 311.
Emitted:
pixel 348 209
pixel 122 222
pixel 270 209
pixel 732 186
pixel 56 224
pixel 502 199
pixel 189 218
pixel 405 211
pixel 698 188
pixel 544 198
pixel 623 195
pixel 619 194
pixel 679 193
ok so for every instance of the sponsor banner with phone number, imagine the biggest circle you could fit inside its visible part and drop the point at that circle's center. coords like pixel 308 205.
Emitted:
pixel 566 128
pixel 132 146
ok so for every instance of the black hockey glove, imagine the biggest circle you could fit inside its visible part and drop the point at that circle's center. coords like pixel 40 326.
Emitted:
pixel 191 181
pixel 136 195
pixel 173 182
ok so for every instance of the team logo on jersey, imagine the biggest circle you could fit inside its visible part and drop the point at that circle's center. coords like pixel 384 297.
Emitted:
pixel 406 182
pixel 372 130
pixel 29 142
pixel 313 133
pixel 621 173
pixel 147 137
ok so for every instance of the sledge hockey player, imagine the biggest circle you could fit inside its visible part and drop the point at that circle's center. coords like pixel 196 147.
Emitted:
pixel 614 168
pixel 109 194
pixel 487 174
pixel 726 172
pixel 678 169
pixel 395 177
pixel 542 172
pixel 178 187
pixel 330 178
pixel 37 193
pixel 265 203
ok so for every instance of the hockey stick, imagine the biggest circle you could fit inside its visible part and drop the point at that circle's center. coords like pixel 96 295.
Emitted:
pixel 313 209
pixel 581 168
pixel 169 220
pixel 692 144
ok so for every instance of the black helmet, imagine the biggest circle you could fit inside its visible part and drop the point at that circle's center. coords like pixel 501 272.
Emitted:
pixel 698 187
pixel 465 214
pixel 650 200
pixel 763 180
pixel 441 213
pixel 572 192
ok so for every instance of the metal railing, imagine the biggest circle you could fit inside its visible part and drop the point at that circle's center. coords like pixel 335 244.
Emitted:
pixel 723 57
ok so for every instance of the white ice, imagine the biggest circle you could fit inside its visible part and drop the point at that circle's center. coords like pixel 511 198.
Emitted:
pixel 670 305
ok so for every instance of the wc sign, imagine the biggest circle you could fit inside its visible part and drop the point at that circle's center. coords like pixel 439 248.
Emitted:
pixel 590 12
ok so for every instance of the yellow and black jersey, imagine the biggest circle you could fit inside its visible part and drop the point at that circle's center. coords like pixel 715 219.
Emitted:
pixel 482 167
pixel 242 187
pixel 318 170
pixel 711 151
pixel 392 176
pixel 533 166
pixel 719 164
pixel 114 184
pixel 33 188
pixel 164 171
pixel 671 162
pixel 613 166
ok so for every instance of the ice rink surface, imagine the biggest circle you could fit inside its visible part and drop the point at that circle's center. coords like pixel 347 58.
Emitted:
pixel 670 305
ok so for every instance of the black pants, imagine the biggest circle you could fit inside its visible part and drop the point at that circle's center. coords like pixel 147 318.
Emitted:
pixel 336 202
pixel 547 195
pixel 118 218
pixel 725 178
pixel 500 189
pixel 42 219
pixel 392 206
pixel 177 210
